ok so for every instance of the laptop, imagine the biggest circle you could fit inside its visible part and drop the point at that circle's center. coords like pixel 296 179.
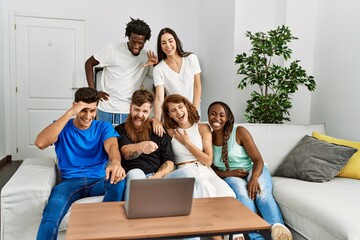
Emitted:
pixel 163 197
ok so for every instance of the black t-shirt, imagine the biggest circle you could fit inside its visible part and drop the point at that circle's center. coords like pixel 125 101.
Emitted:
pixel 149 163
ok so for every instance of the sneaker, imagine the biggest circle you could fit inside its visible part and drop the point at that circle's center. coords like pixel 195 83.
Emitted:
pixel 235 237
pixel 280 232
pixel 238 237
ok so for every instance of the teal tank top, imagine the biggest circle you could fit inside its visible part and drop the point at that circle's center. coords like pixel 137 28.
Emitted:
pixel 237 156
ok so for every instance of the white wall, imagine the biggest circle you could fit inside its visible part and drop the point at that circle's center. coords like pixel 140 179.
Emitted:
pixel 3 125
pixel 337 68
pixel 2 90
pixel 215 30
pixel 216 51
pixel 302 26
pixel 253 16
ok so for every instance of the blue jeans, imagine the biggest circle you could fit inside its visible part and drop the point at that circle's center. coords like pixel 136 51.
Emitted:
pixel 264 201
pixel 67 192
pixel 113 118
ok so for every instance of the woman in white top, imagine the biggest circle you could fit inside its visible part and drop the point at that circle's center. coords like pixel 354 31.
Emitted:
pixel 178 72
pixel 192 147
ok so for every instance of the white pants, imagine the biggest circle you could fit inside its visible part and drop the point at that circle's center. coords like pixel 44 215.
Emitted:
pixel 207 183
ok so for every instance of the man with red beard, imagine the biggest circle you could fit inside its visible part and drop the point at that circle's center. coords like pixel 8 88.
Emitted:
pixel 144 154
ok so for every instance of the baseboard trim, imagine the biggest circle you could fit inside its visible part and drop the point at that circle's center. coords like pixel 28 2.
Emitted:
pixel 5 160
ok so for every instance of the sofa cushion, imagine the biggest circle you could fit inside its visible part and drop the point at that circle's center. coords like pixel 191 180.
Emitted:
pixel 352 167
pixel 275 141
pixel 315 160
pixel 320 211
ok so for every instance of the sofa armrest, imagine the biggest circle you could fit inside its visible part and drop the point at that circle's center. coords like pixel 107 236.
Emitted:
pixel 24 196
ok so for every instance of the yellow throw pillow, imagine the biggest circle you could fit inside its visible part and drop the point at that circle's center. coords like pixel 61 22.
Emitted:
pixel 352 168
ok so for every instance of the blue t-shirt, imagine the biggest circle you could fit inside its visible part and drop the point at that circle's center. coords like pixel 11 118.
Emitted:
pixel 81 153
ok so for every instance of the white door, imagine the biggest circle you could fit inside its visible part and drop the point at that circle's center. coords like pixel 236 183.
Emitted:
pixel 49 60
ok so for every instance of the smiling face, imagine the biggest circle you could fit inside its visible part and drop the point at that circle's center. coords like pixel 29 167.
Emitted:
pixel 217 117
pixel 168 44
pixel 85 117
pixel 179 113
pixel 136 43
pixel 140 114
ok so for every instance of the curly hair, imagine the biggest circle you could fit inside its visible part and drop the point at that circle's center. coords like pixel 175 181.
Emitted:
pixel 179 46
pixel 228 127
pixel 193 114
pixel 138 27
pixel 87 95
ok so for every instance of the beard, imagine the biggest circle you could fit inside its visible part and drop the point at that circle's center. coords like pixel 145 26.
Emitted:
pixel 138 133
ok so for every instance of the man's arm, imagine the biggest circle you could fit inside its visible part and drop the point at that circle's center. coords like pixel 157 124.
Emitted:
pixel 89 66
pixel 50 134
pixel 165 168
pixel 114 170
pixel 134 150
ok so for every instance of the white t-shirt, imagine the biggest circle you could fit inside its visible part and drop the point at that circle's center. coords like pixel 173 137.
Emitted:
pixel 123 74
pixel 181 82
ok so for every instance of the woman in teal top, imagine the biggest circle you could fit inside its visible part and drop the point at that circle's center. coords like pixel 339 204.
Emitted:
pixel 237 160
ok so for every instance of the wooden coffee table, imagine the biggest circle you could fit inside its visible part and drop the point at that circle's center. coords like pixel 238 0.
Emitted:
pixel 209 216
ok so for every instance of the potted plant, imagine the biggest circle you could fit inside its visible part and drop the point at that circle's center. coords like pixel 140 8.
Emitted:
pixel 277 83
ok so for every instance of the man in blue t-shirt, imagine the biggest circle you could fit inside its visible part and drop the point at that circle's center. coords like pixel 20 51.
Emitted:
pixel 88 158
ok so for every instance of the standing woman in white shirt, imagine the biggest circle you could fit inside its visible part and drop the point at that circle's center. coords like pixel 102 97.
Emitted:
pixel 178 72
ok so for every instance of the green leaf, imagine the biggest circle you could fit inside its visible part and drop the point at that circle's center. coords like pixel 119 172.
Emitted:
pixel 276 83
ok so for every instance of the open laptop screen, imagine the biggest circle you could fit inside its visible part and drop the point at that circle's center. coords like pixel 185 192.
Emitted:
pixel 159 197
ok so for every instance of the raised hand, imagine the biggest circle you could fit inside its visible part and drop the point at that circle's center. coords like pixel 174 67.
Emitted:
pixel 182 137
pixel 152 59
pixel 78 106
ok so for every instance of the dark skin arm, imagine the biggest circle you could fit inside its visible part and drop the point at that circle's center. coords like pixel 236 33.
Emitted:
pixel 232 173
pixel 243 137
pixel 89 66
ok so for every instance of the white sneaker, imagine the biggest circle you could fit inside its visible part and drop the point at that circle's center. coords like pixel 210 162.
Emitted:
pixel 235 237
pixel 280 232
pixel 238 237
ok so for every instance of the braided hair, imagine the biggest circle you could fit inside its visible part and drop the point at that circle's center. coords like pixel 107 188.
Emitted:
pixel 227 130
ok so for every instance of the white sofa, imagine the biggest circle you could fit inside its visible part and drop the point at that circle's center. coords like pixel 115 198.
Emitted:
pixel 315 211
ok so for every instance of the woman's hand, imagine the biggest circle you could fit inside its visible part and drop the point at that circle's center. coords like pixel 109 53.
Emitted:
pixel 253 188
pixel 241 173
pixel 158 128
pixel 182 137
